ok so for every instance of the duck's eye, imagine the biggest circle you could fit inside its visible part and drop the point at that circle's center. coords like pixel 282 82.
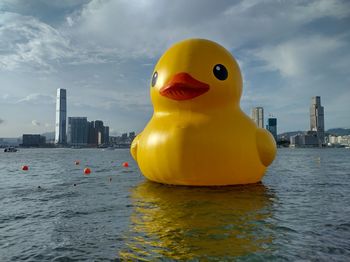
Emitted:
pixel 220 72
pixel 154 78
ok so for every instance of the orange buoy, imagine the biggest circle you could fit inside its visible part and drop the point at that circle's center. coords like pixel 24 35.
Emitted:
pixel 87 171
pixel 25 168
pixel 125 164
pixel 77 162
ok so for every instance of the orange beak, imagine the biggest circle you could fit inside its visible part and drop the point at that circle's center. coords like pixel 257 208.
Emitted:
pixel 183 87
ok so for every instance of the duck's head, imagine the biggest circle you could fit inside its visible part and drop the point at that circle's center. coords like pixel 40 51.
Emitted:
pixel 195 74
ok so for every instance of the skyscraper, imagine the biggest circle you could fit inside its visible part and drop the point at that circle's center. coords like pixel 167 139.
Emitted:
pixel 100 131
pixel 77 131
pixel 258 116
pixel 272 126
pixel 61 116
pixel 98 134
pixel 317 118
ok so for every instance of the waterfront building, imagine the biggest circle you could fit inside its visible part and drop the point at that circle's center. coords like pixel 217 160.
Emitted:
pixel 106 135
pixel 61 116
pixel 272 126
pixel 99 131
pixel 344 140
pixel 333 140
pixel 316 136
pixel 258 116
pixel 33 140
pixel 132 136
pixel 77 131
pixel 339 141
pixel 92 134
pixel 122 141
pixel 308 139
pixel 124 136
pixel 317 119
pixel 98 134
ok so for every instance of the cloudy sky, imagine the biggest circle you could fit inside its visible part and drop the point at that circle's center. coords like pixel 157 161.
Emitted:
pixel 103 53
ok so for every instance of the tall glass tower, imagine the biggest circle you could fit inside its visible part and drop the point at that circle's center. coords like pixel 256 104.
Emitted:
pixel 272 126
pixel 317 118
pixel 61 116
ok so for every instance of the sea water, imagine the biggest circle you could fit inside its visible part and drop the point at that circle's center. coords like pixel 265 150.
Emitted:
pixel 300 211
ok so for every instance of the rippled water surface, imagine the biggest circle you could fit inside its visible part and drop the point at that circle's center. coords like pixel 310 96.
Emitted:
pixel 301 210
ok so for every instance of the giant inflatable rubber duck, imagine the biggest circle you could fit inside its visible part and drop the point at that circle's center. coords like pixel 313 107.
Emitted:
pixel 198 135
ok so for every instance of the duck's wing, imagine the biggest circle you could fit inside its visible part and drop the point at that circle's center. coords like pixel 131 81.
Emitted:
pixel 266 146
pixel 134 145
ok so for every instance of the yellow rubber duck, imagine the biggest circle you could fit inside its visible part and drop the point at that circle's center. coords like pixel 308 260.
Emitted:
pixel 198 135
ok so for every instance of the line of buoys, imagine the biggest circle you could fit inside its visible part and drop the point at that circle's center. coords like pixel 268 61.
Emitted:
pixel 87 170
pixel 25 168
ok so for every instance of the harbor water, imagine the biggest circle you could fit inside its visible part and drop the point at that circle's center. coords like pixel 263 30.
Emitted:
pixel 53 212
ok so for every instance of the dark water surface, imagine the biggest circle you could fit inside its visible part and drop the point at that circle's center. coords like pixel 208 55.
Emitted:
pixel 301 211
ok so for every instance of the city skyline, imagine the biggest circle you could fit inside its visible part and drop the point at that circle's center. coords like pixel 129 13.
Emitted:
pixel 103 54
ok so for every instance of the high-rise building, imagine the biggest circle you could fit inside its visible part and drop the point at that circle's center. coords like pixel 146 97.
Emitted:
pixel 99 131
pixel 272 126
pixel 317 118
pixel 77 131
pixel 258 116
pixel 92 134
pixel 98 134
pixel 106 135
pixel 61 116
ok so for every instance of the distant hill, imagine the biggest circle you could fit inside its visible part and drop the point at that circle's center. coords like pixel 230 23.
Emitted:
pixel 339 131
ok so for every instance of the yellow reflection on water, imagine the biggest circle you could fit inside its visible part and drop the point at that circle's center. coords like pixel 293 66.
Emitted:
pixel 197 222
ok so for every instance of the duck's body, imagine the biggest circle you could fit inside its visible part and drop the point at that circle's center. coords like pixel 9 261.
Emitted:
pixel 199 141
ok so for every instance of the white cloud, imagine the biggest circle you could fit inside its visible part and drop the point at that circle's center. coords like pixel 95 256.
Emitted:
pixel 107 31
pixel 124 29
pixel 35 123
pixel 37 99
pixel 322 8
pixel 69 21
pixel 301 56
pixel 28 43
